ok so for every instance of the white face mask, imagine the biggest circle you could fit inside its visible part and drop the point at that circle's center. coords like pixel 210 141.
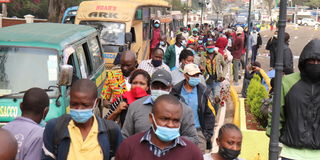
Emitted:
pixel 157 93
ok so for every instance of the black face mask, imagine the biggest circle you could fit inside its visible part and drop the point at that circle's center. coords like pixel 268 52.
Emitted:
pixel 228 154
pixel 312 71
pixel 126 73
pixel 156 63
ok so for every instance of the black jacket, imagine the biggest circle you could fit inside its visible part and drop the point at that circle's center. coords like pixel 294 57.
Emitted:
pixel 271 46
pixel 206 117
pixel 300 116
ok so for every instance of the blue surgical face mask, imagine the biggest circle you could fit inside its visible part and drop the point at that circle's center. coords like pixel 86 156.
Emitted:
pixel 210 50
pixel 157 93
pixel 184 43
pixel 162 43
pixel 209 39
pixel 200 41
pixel 157 25
pixel 81 115
pixel 164 133
pixel 194 81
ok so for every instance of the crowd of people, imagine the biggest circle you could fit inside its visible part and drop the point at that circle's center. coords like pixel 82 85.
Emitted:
pixel 161 108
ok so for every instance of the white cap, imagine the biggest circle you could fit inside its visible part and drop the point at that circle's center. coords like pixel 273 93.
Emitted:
pixel 191 69
pixel 157 21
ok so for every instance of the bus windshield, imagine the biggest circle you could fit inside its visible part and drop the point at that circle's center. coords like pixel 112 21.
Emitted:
pixel 111 33
pixel 22 68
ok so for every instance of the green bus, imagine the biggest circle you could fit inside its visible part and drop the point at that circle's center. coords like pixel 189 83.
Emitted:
pixel 48 56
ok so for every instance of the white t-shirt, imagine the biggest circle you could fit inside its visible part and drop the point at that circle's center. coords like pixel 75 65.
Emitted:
pixel 128 85
pixel 178 51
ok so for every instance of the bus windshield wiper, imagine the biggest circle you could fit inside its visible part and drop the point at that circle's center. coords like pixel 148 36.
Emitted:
pixel 21 92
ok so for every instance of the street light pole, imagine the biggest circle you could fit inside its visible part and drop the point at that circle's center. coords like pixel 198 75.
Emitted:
pixel 202 4
pixel 274 137
pixel 248 39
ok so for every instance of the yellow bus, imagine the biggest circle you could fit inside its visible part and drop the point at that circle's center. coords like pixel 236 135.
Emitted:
pixel 125 24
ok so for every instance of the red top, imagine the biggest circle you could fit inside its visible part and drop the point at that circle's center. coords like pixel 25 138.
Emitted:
pixel 132 149
pixel 155 37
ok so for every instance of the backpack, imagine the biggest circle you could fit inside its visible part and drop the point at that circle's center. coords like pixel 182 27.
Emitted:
pixel 62 124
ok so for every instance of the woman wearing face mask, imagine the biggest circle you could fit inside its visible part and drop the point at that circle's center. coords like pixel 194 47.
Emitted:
pixel 140 82
pixel 229 141
pixel 221 48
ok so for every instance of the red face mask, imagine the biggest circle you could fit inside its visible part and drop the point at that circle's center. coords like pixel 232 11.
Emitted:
pixel 134 94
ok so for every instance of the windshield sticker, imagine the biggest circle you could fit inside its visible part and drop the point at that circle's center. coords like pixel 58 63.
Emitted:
pixel 5 91
pixel 52 68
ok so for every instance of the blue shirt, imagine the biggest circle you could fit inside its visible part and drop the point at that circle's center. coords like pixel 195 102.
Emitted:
pixel 29 137
pixel 191 99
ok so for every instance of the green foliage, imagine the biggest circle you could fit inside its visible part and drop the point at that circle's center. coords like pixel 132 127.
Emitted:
pixel 255 94
pixel 313 3
pixel 39 8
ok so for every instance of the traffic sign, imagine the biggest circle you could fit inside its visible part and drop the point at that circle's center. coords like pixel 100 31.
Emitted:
pixel 5 1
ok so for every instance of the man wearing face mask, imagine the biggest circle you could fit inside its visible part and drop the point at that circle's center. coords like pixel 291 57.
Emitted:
pixel 300 104
pixel 81 135
pixel 215 69
pixel 163 44
pixel 171 56
pixel 185 57
pixel 162 140
pixel 26 128
pixel 156 34
pixel 137 119
pixel 155 63
pixel 196 96
pixel 194 37
pixel 117 81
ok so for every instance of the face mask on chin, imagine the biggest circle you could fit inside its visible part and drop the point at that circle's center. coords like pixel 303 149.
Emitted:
pixel 164 133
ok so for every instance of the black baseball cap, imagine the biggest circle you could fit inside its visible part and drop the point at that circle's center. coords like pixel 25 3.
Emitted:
pixel 162 76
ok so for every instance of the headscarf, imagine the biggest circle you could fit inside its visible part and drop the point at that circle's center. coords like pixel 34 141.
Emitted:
pixel 222 43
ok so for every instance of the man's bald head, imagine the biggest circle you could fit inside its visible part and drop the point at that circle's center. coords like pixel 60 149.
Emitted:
pixel 128 62
pixel 8 145
pixel 85 86
pixel 163 100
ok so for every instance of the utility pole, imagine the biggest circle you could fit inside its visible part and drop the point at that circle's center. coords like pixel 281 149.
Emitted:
pixel 248 39
pixel 274 137
pixel 202 4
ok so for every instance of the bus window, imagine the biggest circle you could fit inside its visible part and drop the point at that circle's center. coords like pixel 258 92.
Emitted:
pixel 84 68
pixel 133 33
pixel 146 30
pixel 95 51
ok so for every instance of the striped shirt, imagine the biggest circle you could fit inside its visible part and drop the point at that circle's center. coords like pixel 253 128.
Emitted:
pixel 156 150
pixel 148 66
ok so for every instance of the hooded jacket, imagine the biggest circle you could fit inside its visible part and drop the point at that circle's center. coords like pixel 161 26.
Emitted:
pixel 300 105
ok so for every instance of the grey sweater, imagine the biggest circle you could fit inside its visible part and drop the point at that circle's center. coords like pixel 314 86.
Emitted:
pixel 137 120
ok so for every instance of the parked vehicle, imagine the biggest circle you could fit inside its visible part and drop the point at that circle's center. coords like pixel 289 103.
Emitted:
pixel 309 22
pixel 70 15
pixel 48 56
pixel 124 25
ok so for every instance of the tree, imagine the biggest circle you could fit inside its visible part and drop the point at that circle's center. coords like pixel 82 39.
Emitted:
pixel 270 5
pixel 313 3
pixel 56 9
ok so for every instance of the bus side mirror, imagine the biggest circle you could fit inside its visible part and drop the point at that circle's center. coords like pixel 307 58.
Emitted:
pixel 128 38
pixel 65 76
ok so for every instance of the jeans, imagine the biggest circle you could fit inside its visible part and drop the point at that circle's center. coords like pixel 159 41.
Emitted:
pixel 236 68
pixel 254 53
pixel 215 87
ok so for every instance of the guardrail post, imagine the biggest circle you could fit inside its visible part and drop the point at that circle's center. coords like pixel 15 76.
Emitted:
pixel 0 20
pixel 29 18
